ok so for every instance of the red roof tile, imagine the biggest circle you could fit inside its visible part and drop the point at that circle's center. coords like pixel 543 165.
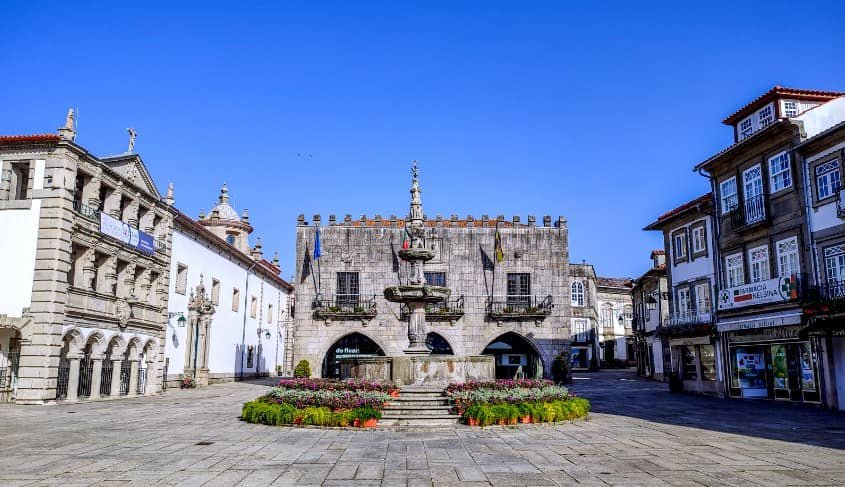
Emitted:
pixel 801 94
pixel 701 200
pixel 11 139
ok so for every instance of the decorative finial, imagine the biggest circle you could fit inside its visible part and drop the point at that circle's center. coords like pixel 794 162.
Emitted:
pixel 169 197
pixel 132 135
pixel 202 213
pixel 276 258
pixel 414 170
pixel 245 216
pixel 224 194
pixel 68 132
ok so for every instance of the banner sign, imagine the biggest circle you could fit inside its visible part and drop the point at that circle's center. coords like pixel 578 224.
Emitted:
pixel 770 321
pixel 121 231
pixel 771 291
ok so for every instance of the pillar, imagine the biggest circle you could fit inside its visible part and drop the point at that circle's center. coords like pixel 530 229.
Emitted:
pixel 150 389
pixel 115 377
pixel 73 379
pixel 133 377
pixel 96 377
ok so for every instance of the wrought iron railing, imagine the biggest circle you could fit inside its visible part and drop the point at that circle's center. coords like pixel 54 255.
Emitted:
pixel 88 212
pixel 688 318
pixel 447 309
pixel 105 377
pixel 824 298
pixel 61 383
pixel 125 371
pixel 346 305
pixel 750 211
pixel 142 380
pixel 520 305
pixel 86 370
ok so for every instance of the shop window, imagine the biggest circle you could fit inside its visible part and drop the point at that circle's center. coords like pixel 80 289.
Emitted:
pixel 690 369
pixel 707 357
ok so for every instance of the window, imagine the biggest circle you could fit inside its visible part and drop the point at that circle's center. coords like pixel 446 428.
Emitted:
pixel 269 313
pixel 707 356
pixel 755 209
pixel 347 289
pixel 787 250
pixel 733 268
pixel 779 173
pixel 702 297
pixel 765 116
pixel 236 299
pixel 230 239
pixel 680 245
pixel 683 300
pixel 727 192
pixel 577 293
pixel 154 278
pixel 253 307
pixel 746 128
pixel 699 240
pixel 827 179
pixel 834 263
pixel 759 259
pixel 215 291
pixel 579 329
pixel 435 278
pixel 790 108
pixel 250 357
pixel 181 278
pixel 607 316
pixel 18 180
pixel 519 289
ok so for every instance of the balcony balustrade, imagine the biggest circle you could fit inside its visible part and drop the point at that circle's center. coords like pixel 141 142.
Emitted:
pixel 346 307
pixel 749 212
pixel 519 306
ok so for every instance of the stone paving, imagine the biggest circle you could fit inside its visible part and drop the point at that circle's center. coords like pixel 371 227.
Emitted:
pixel 639 434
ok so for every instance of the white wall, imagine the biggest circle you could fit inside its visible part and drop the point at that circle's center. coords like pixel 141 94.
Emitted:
pixel 228 336
pixel 17 250
pixel 823 116
pixel 825 215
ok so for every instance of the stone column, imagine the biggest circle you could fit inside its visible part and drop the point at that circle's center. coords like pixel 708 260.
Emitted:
pixel 91 192
pixel 73 379
pixel 202 350
pixel 133 377
pixel 150 389
pixel 112 203
pixel 130 213
pixel 96 377
pixel 143 285
pixel 115 377
pixel 417 329
pixel 128 280
pixel 193 322
pixel 89 269
pixel 110 276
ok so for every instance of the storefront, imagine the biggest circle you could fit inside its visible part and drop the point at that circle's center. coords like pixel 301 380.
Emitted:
pixel 768 358
pixel 694 360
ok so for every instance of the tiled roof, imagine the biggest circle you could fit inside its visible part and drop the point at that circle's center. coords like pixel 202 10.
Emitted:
pixel 614 282
pixel 736 145
pixel 799 93
pixel 701 200
pixel 658 252
pixel 10 139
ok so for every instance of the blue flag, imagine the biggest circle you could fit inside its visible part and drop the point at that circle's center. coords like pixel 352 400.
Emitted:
pixel 317 252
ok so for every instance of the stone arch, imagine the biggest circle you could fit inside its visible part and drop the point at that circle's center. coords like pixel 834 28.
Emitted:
pixel 133 348
pixel 439 344
pixel 512 350
pixel 116 346
pixel 150 349
pixel 73 342
pixel 356 344
pixel 96 344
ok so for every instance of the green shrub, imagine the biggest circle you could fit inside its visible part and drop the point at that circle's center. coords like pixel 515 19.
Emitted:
pixel 302 370
pixel 321 416
pixel 560 369
pixel 365 413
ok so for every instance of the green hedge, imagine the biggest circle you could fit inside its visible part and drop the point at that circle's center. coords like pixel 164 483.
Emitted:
pixel 540 412
pixel 273 414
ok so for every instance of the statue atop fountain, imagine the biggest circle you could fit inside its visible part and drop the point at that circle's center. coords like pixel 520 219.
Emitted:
pixel 416 294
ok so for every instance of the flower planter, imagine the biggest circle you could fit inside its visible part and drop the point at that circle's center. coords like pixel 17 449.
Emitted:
pixel 501 422
pixel 526 419
pixel 394 393
pixel 369 423
pixel 512 421
pixel 356 423
pixel 472 421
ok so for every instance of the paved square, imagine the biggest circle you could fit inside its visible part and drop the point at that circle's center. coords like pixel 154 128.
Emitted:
pixel 639 434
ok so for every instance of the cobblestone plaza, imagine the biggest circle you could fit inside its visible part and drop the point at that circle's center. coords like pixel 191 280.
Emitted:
pixel 638 434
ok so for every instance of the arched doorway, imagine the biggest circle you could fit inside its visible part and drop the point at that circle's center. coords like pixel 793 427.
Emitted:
pixel 354 345
pixel 438 345
pixel 513 351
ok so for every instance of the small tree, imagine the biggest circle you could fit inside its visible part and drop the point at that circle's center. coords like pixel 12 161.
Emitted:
pixel 302 370
pixel 560 369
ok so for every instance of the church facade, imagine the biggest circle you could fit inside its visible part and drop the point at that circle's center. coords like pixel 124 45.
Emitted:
pixel 512 300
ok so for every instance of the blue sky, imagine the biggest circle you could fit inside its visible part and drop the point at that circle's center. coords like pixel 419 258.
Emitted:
pixel 597 112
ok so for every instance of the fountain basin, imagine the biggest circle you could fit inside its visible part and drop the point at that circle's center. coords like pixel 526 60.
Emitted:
pixel 416 294
pixel 429 370
pixel 411 255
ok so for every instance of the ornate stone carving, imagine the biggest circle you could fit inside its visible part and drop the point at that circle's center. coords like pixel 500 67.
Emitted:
pixel 123 312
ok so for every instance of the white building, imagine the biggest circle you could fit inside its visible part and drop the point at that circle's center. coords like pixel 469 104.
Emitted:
pixel 689 327
pixel 249 311
pixel 615 315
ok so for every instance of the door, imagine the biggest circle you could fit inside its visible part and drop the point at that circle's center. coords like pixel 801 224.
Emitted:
pixel 753 192
pixel 807 373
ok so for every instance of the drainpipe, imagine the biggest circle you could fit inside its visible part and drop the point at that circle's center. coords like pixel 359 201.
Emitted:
pixel 243 335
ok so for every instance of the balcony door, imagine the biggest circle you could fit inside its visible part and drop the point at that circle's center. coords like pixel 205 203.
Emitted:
pixel 753 192
pixel 519 289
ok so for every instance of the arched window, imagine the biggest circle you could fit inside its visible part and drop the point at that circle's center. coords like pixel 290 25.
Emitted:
pixel 230 239
pixel 577 293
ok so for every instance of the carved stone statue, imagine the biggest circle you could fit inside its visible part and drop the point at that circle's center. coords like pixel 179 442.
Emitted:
pixel 132 135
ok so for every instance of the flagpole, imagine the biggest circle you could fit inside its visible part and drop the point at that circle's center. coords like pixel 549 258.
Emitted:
pixel 319 274
pixel 495 263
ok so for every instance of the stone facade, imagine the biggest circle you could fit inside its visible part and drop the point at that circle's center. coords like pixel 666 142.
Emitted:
pixel 615 315
pixel 90 308
pixel 340 293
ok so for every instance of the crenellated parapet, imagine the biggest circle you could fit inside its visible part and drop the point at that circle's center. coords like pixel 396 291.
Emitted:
pixel 439 221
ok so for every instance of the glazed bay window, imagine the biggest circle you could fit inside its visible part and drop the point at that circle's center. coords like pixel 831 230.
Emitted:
pixel 827 179
pixel 787 250
pixel 577 293
pixel 746 127
pixel 779 172
pixel 683 300
pixel 728 196
pixel 755 208
pixel 765 116
pixel 790 108
pixel 758 257
pixel 834 263
pixel 347 291
pixel 733 270
pixel 519 289
pixel 702 297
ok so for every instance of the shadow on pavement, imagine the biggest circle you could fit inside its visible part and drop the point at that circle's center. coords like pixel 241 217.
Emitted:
pixel 621 392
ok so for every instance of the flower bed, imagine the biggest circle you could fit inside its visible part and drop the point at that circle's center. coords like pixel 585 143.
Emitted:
pixel 320 402
pixel 509 401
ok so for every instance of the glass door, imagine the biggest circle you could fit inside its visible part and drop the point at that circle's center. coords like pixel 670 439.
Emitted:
pixel 749 364
pixel 753 193
pixel 780 371
pixel 807 369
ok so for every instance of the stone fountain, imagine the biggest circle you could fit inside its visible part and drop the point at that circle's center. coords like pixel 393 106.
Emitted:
pixel 417 366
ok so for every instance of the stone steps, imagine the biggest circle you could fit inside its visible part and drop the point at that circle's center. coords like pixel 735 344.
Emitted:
pixel 418 407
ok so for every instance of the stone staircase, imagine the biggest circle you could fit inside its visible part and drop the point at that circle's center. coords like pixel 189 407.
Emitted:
pixel 418 406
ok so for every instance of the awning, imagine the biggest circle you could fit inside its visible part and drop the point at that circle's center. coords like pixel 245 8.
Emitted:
pixel 764 320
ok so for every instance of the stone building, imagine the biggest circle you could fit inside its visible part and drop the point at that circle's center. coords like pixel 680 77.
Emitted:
pixel 584 350
pixel 650 298
pixel 615 312
pixel 514 305
pixel 229 309
pixel 85 256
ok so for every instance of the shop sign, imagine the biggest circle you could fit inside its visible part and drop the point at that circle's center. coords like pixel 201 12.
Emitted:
pixel 771 291
pixel 765 334
pixel 765 321
pixel 121 231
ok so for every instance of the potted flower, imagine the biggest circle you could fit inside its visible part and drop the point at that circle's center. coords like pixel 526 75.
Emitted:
pixel 394 393
pixel 188 382
pixel 367 416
